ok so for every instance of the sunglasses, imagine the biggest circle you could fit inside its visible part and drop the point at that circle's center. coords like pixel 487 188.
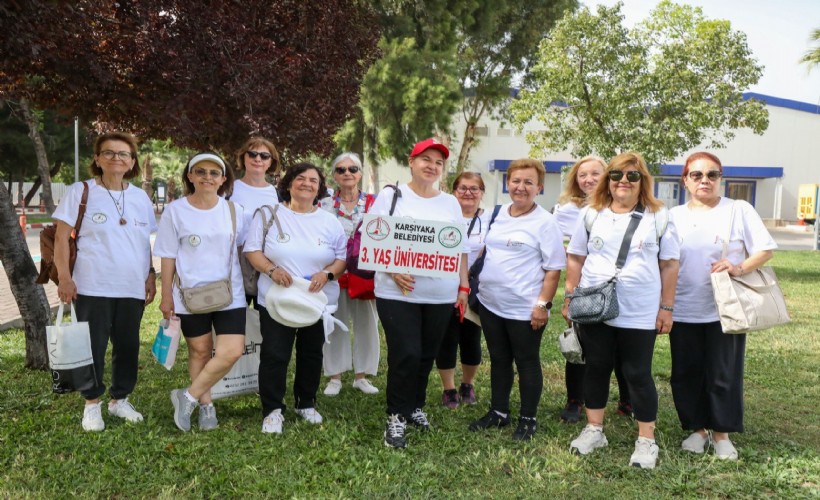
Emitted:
pixel 253 154
pixel 713 175
pixel 201 172
pixel 631 176
pixel 352 169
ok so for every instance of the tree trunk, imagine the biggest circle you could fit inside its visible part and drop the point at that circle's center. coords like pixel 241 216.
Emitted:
pixel 37 182
pixel 466 145
pixel 21 272
pixel 148 177
pixel 33 122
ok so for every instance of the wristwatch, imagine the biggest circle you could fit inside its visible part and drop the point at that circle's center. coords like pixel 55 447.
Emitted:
pixel 544 305
pixel 330 276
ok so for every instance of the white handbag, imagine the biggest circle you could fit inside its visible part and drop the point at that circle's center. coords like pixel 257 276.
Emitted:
pixel 750 302
pixel 243 377
pixel 69 346
pixel 569 343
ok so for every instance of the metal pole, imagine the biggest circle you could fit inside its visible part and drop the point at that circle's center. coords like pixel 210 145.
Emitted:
pixel 76 149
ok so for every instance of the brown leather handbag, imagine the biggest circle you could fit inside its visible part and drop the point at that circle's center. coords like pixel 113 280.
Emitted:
pixel 48 270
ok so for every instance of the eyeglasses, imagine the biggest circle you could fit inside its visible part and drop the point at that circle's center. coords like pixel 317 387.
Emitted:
pixel 352 169
pixel 253 154
pixel 472 189
pixel 631 176
pixel 110 155
pixel 713 175
pixel 201 172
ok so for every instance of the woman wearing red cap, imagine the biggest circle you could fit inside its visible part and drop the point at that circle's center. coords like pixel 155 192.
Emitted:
pixel 415 310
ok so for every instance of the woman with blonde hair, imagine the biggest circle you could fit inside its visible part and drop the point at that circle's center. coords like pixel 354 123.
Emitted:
pixel 580 184
pixel 624 239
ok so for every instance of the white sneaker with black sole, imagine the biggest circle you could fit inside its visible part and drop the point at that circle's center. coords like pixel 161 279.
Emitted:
pixel 394 432
pixel 645 455
pixel 590 438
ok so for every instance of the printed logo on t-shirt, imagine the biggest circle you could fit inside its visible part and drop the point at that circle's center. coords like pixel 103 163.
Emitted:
pixel 449 237
pixel 99 218
pixel 140 223
pixel 322 242
pixel 514 244
pixel 597 243
pixel 194 240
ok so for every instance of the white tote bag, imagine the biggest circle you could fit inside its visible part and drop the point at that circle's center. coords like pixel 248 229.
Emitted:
pixel 69 345
pixel 243 378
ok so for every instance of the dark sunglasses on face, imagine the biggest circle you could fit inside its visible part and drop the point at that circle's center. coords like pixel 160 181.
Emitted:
pixel 713 175
pixel 631 176
pixel 253 154
pixel 352 169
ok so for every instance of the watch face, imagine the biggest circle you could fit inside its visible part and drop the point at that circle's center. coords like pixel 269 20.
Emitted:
pixel 330 276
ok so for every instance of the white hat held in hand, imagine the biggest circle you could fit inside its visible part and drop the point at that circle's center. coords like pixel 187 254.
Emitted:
pixel 295 306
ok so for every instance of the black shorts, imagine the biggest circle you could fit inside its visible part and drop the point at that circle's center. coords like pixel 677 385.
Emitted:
pixel 226 321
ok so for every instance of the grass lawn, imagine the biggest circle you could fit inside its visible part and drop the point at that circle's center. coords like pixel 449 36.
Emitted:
pixel 45 453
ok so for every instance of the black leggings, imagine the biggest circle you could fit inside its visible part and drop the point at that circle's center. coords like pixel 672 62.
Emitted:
pixel 413 334
pixel 635 348
pixel 465 334
pixel 574 377
pixel 707 376
pixel 511 340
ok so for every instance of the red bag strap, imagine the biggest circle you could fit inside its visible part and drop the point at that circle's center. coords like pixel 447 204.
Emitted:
pixel 368 202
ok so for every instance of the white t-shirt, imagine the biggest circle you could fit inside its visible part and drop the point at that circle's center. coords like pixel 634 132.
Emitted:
pixel 112 259
pixel 519 252
pixel 443 207
pixel 567 217
pixel 310 243
pixel 701 235
pixel 202 243
pixel 639 284
pixel 251 198
pixel 476 240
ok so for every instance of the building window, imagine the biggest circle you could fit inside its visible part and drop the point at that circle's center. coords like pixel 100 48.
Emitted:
pixel 504 132
pixel 482 131
pixel 741 190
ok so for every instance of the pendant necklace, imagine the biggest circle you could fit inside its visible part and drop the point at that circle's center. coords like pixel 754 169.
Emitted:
pixel 117 202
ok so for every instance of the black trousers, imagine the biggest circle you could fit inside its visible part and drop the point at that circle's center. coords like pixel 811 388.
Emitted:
pixel 707 376
pixel 117 320
pixel 574 377
pixel 413 334
pixel 635 349
pixel 508 341
pixel 274 358
pixel 466 335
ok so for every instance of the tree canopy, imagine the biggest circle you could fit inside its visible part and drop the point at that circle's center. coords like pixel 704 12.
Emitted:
pixel 812 56
pixel 204 76
pixel 672 82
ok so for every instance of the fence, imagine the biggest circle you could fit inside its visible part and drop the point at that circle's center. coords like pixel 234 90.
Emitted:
pixel 58 189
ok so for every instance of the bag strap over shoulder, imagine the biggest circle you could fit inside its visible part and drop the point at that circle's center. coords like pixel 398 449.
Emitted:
pixel 231 250
pixel 368 202
pixel 396 196
pixel 81 212
pixel 728 233
pixel 634 220
pixel 472 223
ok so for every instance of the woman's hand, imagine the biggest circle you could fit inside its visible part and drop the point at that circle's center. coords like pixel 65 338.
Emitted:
pixel 150 287
pixel 725 265
pixel 166 305
pixel 663 323
pixel 565 312
pixel 540 317
pixel 282 277
pixel 67 290
pixel 318 281
pixel 405 282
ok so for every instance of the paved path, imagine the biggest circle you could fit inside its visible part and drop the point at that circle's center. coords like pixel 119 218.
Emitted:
pixel 787 239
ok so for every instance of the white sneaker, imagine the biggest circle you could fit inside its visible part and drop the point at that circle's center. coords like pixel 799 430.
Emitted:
pixel 92 418
pixel 365 386
pixel 273 422
pixel 310 414
pixel 591 437
pixel 333 387
pixel 124 409
pixel 695 443
pixel 645 455
pixel 725 450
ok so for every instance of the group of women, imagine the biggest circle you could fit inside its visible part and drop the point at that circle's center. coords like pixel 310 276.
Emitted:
pixel 295 237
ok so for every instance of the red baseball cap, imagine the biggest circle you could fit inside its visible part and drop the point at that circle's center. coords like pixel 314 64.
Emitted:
pixel 426 144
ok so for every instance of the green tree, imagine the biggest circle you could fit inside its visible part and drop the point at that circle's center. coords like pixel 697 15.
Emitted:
pixel 494 51
pixel 672 82
pixel 812 56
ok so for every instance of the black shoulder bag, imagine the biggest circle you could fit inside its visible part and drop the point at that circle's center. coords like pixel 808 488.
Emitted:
pixel 478 265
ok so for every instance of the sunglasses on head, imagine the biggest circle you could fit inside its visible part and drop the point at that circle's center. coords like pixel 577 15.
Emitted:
pixel 353 169
pixel 713 175
pixel 263 155
pixel 631 176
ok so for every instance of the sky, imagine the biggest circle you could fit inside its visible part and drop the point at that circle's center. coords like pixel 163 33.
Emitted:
pixel 777 32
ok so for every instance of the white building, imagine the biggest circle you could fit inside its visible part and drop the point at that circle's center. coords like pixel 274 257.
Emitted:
pixel 763 170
